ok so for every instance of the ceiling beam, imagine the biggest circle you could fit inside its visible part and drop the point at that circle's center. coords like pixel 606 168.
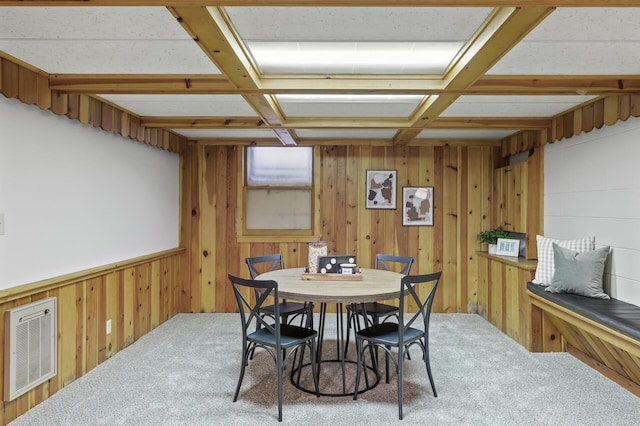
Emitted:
pixel 212 31
pixel 204 122
pixel 347 142
pixel 257 123
pixel 490 123
pixel 142 84
pixel 555 85
pixel 502 30
pixel 253 123
pixel 219 85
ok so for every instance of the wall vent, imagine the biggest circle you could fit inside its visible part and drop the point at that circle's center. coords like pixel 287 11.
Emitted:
pixel 30 356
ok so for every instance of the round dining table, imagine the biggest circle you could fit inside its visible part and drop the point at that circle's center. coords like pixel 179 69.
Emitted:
pixel 375 285
pixel 370 285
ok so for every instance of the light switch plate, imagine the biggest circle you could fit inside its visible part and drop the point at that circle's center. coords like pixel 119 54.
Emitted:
pixel 1 223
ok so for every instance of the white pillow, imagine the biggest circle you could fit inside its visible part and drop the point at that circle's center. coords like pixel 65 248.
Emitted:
pixel 545 269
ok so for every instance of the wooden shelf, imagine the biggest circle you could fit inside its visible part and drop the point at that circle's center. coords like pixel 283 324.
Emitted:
pixel 518 262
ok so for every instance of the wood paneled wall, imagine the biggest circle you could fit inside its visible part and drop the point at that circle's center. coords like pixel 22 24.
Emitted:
pixel 606 110
pixel 31 86
pixel 461 177
pixel 136 295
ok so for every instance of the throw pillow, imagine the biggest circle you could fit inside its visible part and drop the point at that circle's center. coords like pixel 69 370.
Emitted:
pixel 544 271
pixel 579 273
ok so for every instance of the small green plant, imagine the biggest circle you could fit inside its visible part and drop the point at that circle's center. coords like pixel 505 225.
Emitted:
pixel 491 237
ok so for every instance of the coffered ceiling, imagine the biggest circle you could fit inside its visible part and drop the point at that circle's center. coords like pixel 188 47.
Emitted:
pixel 332 72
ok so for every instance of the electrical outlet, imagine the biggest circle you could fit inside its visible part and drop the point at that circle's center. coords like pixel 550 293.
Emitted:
pixel 108 326
pixel 1 223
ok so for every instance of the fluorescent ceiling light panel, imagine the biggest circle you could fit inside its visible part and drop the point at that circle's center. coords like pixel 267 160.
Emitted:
pixel 344 105
pixel 334 98
pixel 353 57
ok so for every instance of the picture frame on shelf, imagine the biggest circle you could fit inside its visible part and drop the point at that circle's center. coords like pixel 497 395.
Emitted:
pixel 417 206
pixel 508 247
pixel 381 189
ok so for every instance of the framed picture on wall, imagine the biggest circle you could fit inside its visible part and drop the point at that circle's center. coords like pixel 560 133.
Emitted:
pixel 417 206
pixel 381 189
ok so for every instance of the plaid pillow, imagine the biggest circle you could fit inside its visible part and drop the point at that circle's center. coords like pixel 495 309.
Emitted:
pixel 545 269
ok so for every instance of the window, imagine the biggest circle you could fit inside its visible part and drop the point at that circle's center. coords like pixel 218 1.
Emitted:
pixel 278 192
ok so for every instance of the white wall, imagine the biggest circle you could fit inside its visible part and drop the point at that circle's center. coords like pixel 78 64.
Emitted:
pixel 592 187
pixel 76 197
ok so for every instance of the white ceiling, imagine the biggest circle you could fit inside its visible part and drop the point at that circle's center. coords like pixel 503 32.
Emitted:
pixel 132 40
pixel 588 40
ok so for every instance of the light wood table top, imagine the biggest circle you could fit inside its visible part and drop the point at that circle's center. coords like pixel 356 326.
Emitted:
pixel 375 285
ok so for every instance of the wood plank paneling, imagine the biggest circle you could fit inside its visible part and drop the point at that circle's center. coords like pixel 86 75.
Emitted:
pixel 31 88
pixel 503 301
pixel 606 110
pixel 85 300
pixel 346 224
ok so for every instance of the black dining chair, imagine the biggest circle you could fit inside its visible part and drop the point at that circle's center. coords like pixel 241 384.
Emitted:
pixel 374 312
pixel 271 333
pixel 288 310
pixel 411 329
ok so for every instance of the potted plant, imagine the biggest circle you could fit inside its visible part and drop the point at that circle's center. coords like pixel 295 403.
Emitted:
pixel 491 238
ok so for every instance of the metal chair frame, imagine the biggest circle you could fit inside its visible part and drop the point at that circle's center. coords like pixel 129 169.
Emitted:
pixel 372 312
pixel 403 334
pixel 270 334
pixel 288 310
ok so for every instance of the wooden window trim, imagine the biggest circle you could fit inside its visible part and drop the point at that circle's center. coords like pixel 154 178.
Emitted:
pixel 244 235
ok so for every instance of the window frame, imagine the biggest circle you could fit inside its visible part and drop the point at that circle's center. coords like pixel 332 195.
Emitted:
pixel 276 235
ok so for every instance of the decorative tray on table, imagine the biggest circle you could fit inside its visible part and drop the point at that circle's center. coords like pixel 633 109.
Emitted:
pixel 332 277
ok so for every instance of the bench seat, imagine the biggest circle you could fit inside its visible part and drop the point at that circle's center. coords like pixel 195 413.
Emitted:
pixel 615 314
pixel 603 333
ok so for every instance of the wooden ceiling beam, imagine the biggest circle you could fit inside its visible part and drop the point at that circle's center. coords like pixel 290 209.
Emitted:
pixel 211 30
pixel 219 85
pixel 502 30
pixel 490 123
pixel 555 85
pixel 257 123
pixel 252 123
pixel 204 122
pixel 142 84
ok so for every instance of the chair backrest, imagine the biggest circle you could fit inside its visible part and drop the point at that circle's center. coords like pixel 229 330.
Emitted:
pixel 258 265
pixel 249 307
pixel 413 286
pixel 383 261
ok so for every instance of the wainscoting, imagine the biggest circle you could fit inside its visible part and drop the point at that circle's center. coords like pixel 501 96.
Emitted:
pixel 137 295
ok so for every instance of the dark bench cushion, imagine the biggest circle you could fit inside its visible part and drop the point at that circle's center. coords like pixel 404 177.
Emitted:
pixel 618 315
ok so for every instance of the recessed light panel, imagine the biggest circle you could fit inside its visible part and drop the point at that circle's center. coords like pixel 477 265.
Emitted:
pixel 408 58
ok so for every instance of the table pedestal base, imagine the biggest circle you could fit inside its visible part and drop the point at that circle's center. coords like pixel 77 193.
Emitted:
pixel 328 366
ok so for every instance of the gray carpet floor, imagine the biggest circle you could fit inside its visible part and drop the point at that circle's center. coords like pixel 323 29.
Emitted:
pixel 185 372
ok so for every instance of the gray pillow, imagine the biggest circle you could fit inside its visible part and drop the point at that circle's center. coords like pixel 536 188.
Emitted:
pixel 578 273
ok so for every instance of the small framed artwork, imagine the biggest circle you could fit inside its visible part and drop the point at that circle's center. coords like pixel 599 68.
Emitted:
pixel 417 206
pixel 508 247
pixel 381 189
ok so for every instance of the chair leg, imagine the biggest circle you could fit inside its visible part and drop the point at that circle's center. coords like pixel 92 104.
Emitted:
pixel 428 365
pixel 400 368
pixel 314 368
pixel 386 364
pixel 245 361
pixel 279 371
pixel 359 366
